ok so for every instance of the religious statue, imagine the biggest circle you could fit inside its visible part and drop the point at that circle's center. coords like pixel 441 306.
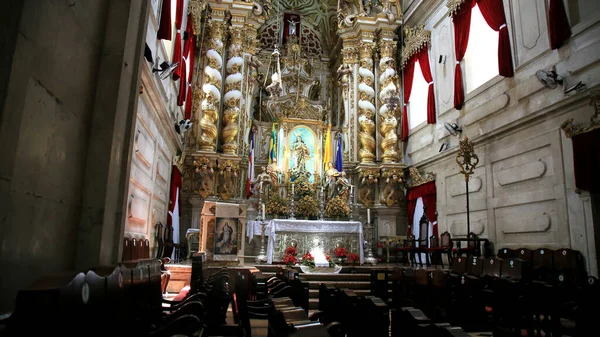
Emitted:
pixel 391 191
pixel 342 186
pixel 227 178
pixel 274 88
pixel 292 26
pixel 344 72
pixel 204 177
pixel 332 175
pixel 301 153
pixel 262 180
pixel 367 6
pixel 273 171
pixel 367 186
pixel 315 90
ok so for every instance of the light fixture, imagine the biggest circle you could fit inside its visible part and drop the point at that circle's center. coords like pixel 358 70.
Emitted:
pixel 453 128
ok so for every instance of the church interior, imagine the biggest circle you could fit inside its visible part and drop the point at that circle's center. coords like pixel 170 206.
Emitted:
pixel 300 167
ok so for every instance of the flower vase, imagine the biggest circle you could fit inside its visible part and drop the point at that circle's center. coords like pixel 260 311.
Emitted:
pixel 342 260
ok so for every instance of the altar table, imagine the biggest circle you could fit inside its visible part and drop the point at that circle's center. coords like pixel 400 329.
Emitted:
pixel 326 233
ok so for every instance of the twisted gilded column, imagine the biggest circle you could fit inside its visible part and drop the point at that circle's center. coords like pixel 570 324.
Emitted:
pixel 212 86
pixel 233 92
pixel 366 109
pixel 388 101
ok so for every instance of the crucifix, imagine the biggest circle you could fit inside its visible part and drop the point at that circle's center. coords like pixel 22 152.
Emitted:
pixel 292 26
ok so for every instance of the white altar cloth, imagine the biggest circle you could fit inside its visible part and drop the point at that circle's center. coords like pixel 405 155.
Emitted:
pixel 255 228
pixel 312 226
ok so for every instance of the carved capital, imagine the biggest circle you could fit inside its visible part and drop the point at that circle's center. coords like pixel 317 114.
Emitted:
pixel 350 55
pixel 365 49
pixel 216 29
pixel 387 48
pixel 236 34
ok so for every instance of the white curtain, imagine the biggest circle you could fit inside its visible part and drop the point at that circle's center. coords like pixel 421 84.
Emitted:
pixel 416 229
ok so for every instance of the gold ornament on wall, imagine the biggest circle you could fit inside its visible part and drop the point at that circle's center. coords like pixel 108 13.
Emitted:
pixel 454 6
pixel 417 179
pixel 369 179
pixel 228 178
pixel 572 130
pixel 393 182
pixel 204 177
pixel 415 39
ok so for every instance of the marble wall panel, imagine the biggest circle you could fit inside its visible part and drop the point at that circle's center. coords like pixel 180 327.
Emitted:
pixel 529 29
pixel 442 45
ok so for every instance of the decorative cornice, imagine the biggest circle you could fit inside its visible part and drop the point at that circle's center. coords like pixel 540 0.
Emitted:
pixel 414 40
pixel 454 6
pixel 572 130
pixel 417 179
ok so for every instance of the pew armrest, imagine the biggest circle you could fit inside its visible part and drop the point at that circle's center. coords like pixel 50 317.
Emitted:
pixel 175 304
pixel 316 316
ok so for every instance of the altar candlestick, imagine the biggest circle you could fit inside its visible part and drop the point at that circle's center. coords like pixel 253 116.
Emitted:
pixel 263 211
pixel 368 215
pixel 292 189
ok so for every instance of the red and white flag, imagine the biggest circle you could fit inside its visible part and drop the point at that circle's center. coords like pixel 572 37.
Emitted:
pixel 250 177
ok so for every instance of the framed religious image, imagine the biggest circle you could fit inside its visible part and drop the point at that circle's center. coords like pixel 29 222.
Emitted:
pixel 226 236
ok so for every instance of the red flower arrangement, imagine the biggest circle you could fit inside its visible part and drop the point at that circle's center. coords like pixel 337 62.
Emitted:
pixel 341 252
pixel 290 260
pixel 308 260
pixel 353 258
pixel 291 250
pixel 290 256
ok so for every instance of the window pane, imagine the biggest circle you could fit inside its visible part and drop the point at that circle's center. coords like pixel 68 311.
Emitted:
pixel 417 107
pixel 481 58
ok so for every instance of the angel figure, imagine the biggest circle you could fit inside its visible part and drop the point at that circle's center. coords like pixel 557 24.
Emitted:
pixel 344 71
pixel 273 171
pixel 227 182
pixel 205 177
pixel 367 185
pixel 262 180
pixel 391 191
pixel 342 186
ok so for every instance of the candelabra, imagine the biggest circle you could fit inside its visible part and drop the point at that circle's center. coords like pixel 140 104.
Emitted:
pixel 258 214
pixel 467 160
pixel 262 254
pixel 322 206
pixel 368 232
pixel 292 208
pixel 350 202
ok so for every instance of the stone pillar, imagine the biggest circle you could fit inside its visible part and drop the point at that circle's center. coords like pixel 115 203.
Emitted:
pixel 212 83
pixel 366 108
pixel 104 194
pixel 388 98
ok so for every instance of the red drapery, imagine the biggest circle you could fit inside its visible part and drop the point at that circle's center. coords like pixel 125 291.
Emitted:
pixel 176 183
pixel 558 24
pixel 409 74
pixel 586 158
pixel 177 53
pixel 493 13
pixel 423 57
pixel 462 26
pixel 427 192
pixel 182 84
pixel 164 29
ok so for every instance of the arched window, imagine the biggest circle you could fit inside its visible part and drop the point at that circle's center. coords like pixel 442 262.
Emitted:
pixel 481 57
pixel 417 107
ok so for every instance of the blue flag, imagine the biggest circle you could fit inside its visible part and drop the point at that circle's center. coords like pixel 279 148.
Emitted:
pixel 338 156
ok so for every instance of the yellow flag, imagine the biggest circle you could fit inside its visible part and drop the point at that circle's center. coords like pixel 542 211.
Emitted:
pixel 327 152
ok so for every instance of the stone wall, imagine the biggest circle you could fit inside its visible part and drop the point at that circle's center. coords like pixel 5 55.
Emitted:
pixel 522 193
pixel 65 137
pixel 155 143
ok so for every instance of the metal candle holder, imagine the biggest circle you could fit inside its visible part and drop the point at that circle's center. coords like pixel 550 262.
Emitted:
pixel 368 230
pixel 292 208
pixel 322 206
pixel 467 160
pixel 262 254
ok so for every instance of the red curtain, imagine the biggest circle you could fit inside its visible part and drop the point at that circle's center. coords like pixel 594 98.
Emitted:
pixel 462 26
pixel 423 57
pixel 558 24
pixel 164 29
pixel 182 84
pixel 177 54
pixel 409 74
pixel 427 192
pixel 176 183
pixel 586 158
pixel 493 13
